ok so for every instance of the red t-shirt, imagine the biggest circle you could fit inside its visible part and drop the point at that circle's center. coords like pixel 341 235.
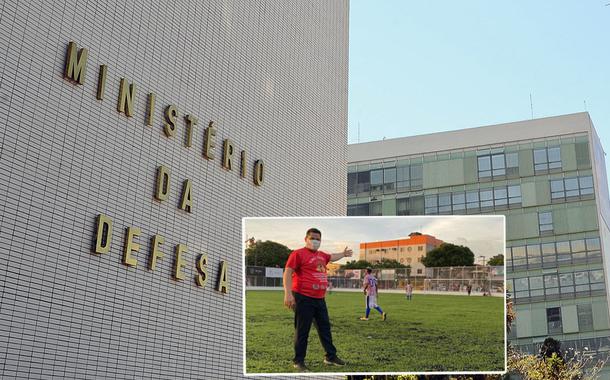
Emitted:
pixel 309 277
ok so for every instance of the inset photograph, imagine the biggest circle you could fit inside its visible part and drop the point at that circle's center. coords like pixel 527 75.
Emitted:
pixel 372 295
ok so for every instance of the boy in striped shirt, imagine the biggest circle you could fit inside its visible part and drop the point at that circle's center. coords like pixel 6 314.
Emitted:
pixel 370 291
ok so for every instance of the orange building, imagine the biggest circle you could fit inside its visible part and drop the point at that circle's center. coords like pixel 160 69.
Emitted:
pixel 408 251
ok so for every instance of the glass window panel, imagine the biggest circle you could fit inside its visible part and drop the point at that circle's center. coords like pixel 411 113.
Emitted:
pixel 539 156
pixel 551 291
pixel 376 177
pixel 566 279
pixel 550 281
pixel 541 167
pixel 497 161
pixel 444 199
pixel 500 193
pixel 585 182
pixel 514 191
pixel 389 175
pixel 533 253
pixel 596 275
pixel 472 196
pixel 578 245
pixel 521 284
pixel 512 160
pixel 402 173
pixel 581 278
pixel 431 200
pixel 417 172
pixel 545 218
pixel 518 252
pixel 484 163
pixel 548 249
pixel 499 172
pixel 554 154
pixel 593 244
pixel 375 209
pixel 352 179
pixel 459 198
pixel 555 165
pixel 571 183
pixel 563 247
pixel 598 286
pixel 557 185
pixel 536 282
pixel 486 195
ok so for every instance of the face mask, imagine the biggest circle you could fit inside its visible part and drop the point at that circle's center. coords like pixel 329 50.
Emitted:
pixel 313 244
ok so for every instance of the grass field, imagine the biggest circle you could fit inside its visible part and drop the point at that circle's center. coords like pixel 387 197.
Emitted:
pixel 429 333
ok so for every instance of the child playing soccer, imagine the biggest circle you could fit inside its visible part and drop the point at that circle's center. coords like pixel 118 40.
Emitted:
pixel 370 291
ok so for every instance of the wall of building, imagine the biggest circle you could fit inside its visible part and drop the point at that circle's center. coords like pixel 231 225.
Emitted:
pixel 272 76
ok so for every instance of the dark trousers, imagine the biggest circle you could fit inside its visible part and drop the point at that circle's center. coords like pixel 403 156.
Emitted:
pixel 308 310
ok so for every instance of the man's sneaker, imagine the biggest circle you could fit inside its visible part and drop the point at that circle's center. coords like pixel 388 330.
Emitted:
pixel 301 367
pixel 364 319
pixel 334 361
pixel 384 316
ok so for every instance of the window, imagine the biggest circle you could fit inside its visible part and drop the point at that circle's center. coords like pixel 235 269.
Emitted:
pixel 389 180
pixel 419 271
pixel 553 319
pixel 519 257
pixel 551 284
pixel 571 188
pixel 547 159
pixel 498 165
pixel 420 248
pixel 472 200
pixel 431 204
pixel 585 317
pixel 581 279
pixel 521 287
pixel 533 255
pixel 352 180
pixel 444 203
pixel 409 249
pixel 410 206
pixel 487 199
pixel 545 222
pixel 596 278
pixel 514 195
pixel 364 182
pixel 358 210
pixel 536 286
pixel 375 208
pixel 566 280
pixel 377 181
pixel 409 177
pixel 548 253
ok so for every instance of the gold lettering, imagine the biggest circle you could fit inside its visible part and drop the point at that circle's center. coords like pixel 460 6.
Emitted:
pixel 104 234
pixel 130 246
pixel 186 203
pixel 127 96
pixel 179 262
pixel 76 64
pixel 169 126
pixel 201 278
pixel 243 164
pixel 223 278
pixel 156 253
pixel 191 121
pixel 227 154
pixel 163 182
pixel 101 82
pixel 150 110
pixel 208 143
pixel 259 169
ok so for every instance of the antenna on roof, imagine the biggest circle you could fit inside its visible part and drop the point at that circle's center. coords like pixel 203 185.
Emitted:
pixel 585 103
pixel 531 105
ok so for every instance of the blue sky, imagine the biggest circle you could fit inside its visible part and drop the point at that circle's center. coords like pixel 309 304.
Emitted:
pixel 428 66
pixel 484 235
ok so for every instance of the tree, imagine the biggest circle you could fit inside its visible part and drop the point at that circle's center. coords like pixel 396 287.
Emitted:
pixel 387 263
pixel 449 255
pixel 497 260
pixel 360 264
pixel 267 253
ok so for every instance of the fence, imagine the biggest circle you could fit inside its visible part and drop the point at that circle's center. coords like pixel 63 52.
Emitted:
pixel 456 279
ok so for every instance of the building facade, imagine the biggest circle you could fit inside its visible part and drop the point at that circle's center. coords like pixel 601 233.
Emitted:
pixel 547 176
pixel 407 251
pixel 133 139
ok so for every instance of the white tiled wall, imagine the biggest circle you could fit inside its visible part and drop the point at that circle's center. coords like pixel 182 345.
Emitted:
pixel 272 75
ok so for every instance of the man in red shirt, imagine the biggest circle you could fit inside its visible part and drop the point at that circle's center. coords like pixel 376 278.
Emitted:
pixel 305 285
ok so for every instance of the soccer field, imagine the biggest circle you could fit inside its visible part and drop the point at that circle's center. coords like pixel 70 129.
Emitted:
pixel 429 333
